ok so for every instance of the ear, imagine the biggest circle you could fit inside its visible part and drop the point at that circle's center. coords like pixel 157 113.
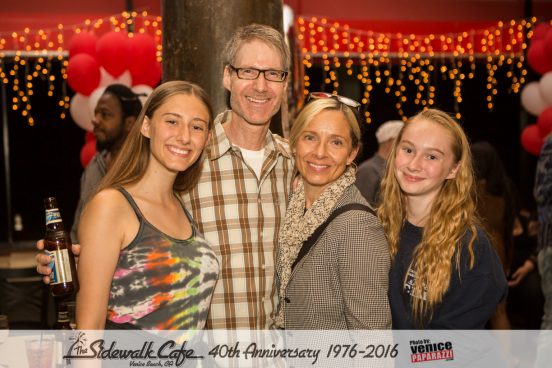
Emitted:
pixel 145 129
pixel 353 155
pixel 227 78
pixel 453 171
pixel 129 123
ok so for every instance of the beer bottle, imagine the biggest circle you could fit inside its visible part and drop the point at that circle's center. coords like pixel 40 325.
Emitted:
pixel 62 322
pixel 57 243
pixel 62 338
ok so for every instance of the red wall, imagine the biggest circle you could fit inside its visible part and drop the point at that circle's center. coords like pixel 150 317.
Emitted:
pixel 432 10
pixel 15 15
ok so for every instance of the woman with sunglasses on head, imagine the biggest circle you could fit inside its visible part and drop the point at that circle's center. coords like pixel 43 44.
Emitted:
pixel 333 261
pixel 444 272
pixel 143 263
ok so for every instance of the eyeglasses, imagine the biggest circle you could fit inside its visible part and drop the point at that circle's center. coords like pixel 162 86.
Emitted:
pixel 344 100
pixel 253 73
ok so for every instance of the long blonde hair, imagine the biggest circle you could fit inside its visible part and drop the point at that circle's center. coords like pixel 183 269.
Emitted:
pixel 130 164
pixel 451 217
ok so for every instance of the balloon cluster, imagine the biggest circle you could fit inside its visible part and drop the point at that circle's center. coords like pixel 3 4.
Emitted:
pixel 95 63
pixel 536 97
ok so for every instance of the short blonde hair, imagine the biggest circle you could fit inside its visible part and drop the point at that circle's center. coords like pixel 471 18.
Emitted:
pixel 260 32
pixel 314 108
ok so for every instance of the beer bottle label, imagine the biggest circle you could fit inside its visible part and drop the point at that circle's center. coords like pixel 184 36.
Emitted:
pixel 52 216
pixel 60 266
pixel 63 317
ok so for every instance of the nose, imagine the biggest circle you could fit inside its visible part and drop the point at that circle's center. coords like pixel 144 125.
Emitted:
pixel 95 121
pixel 260 84
pixel 184 134
pixel 320 150
pixel 415 163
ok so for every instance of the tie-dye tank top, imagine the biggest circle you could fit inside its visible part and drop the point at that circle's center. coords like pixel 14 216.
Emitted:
pixel 161 282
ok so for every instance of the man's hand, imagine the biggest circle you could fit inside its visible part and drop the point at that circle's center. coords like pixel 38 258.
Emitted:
pixel 43 260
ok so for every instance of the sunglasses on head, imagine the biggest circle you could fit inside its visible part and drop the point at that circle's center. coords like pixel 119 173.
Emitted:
pixel 344 100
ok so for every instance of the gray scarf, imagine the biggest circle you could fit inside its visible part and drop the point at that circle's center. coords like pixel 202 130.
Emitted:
pixel 300 224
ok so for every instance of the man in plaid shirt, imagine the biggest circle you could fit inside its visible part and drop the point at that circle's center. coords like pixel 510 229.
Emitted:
pixel 241 197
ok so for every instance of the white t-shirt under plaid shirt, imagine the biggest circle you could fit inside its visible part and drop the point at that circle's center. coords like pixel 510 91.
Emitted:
pixel 240 217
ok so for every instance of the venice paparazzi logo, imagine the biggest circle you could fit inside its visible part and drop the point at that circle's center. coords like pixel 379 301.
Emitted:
pixel 148 353
pixel 424 351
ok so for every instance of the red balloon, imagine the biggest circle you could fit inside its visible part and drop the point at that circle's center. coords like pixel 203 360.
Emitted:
pixel 87 152
pixel 540 31
pixel 89 136
pixel 548 45
pixel 113 52
pixel 531 139
pixel 84 42
pixel 544 122
pixel 537 58
pixel 150 77
pixel 83 73
pixel 142 53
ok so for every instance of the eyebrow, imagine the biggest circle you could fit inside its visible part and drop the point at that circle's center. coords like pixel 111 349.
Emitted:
pixel 101 108
pixel 181 117
pixel 331 135
pixel 426 149
pixel 173 114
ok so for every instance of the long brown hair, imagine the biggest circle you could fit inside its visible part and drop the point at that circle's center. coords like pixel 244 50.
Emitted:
pixel 130 164
pixel 451 217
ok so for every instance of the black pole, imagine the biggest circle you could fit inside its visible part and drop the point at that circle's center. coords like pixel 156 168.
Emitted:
pixel 130 9
pixel 527 9
pixel 6 144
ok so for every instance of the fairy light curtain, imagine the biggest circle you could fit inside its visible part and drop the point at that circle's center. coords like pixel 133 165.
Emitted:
pixel 29 55
pixel 365 55
pixel 368 56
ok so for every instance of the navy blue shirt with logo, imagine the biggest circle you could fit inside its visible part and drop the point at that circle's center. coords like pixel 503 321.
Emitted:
pixel 471 298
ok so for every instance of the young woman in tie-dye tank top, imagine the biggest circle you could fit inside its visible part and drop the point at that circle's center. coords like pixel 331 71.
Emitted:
pixel 161 282
pixel 143 263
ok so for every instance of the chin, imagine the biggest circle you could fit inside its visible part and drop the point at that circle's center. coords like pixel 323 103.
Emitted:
pixel 407 188
pixel 178 167
pixel 316 182
pixel 264 114
pixel 259 120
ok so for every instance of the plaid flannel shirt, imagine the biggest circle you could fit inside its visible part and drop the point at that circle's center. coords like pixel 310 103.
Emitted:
pixel 543 193
pixel 240 217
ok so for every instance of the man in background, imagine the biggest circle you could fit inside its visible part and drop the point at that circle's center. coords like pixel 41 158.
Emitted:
pixel 114 115
pixel 370 172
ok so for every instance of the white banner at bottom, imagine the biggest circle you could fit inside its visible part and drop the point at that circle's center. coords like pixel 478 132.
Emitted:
pixel 276 348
